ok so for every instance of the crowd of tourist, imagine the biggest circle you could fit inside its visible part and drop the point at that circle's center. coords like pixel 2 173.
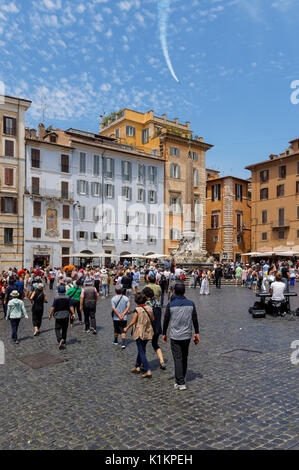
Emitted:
pixel 79 290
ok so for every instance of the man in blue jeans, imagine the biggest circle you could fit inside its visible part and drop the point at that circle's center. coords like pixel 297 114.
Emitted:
pixel 180 314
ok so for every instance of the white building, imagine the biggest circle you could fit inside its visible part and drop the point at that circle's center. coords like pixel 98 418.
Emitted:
pixel 88 194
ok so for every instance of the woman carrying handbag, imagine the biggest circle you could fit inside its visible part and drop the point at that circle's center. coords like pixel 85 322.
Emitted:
pixel 142 332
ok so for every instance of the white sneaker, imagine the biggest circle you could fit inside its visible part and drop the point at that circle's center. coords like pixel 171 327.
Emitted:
pixel 176 386
pixel 182 387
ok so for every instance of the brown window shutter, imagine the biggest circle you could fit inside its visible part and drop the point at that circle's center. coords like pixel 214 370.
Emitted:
pixel 15 206
pixel 9 148
pixel 14 127
pixel 66 212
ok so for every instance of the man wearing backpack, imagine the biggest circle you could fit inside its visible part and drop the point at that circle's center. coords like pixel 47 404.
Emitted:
pixel 62 309
pixel 181 315
pixel 163 285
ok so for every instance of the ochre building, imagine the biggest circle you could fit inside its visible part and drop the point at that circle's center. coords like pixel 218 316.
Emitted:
pixel 228 217
pixel 12 177
pixel 275 202
pixel 174 143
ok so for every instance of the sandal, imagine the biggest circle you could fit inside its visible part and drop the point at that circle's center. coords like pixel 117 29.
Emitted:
pixel 135 370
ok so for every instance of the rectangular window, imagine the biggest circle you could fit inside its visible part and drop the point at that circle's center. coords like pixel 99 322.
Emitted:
pixel 109 191
pixel 152 174
pixel 297 187
pixel 9 148
pixel 281 217
pixel 281 235
pixel 264 217
pixel 141 195
pixel 37 232
pixel 35 185
pixel 82 235
pixel 216 192
pixel 66 234
pixel 193 156
pixel 175 204
pixel 175 234
pixel 130 131
pixel 117 133
pixel 282 172
pixel 297 212
pixel 95 189
pixel 126 170
pixel 152 197
pixel 81 212
pixel 141 173
pixel 297 168
pixel 8 176
pixel 145 136
pixel 239 192
pixel 108 167
pixel 9 205
pixel 264 176
pixel 239 221
pixel 96 165
pixel 9 126
pixel 64 189
pixel 82 187
pixel 152 220
pixel 264 194
pixel 264 236
pixel 65 212
pixel 82 162
pixel 95 236
pixel 215 219
pixel 126 193
pixel 175 171
pixel 174 151
pixel 8 236
pixel 140 218
pixel 65 164
pixel 35 158
pixel 37 208
pixel 280 190
pixel 216 239
pixel 297 233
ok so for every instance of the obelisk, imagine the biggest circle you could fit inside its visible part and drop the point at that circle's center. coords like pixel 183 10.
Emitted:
pixel 189 212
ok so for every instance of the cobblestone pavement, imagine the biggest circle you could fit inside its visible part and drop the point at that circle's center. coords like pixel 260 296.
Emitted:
pixel 92 401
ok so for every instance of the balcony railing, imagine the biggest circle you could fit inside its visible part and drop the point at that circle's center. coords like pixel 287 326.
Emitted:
pixel 280 224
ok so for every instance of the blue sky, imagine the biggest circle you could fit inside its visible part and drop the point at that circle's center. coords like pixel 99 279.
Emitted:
pixel 235 60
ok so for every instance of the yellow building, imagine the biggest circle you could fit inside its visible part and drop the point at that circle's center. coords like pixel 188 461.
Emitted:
pixel 228 217
pixel 12 178
pixel 275 202
pixel 174 143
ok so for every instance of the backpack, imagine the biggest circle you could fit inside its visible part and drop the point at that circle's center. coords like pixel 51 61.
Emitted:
pixel 163 281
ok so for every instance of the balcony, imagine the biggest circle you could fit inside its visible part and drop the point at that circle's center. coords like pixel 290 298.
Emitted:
pixel 280 225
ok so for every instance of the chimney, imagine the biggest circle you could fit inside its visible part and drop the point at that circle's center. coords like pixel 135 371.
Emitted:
pixel 164 117
pixel 41 131
pixel 33 133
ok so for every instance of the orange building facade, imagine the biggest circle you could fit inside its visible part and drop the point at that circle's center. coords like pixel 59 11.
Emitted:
pixel 228 217
pixel 275 202
pixel 174 143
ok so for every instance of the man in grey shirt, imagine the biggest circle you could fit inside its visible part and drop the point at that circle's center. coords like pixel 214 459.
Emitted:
pixel 120 308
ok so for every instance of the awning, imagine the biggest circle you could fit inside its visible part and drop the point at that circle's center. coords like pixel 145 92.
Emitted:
pixel 156 255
